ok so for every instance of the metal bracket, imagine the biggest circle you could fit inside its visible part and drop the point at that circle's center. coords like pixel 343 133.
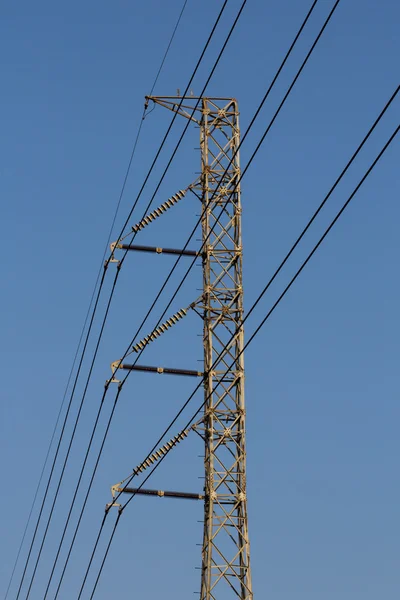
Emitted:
pixel 112 504
pixel 117 364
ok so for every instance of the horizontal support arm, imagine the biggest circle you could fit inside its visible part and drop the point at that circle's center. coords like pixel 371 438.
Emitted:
pixel 168 371
pixel 160 493
pixel 157 250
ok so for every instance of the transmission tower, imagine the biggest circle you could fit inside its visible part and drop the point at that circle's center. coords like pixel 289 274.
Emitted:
pixel 225 571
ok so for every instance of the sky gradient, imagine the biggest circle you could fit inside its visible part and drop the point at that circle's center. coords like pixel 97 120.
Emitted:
pixel 322 378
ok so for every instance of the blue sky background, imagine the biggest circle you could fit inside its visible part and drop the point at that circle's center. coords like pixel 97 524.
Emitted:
pixel 322 377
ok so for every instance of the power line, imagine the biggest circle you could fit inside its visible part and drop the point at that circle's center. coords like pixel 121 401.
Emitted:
pixel 59 443
pixel 119 389
pixel 148 206
pixel 287 95
pixel 93 553
pixel 208 41
pixel 140 129
pixel 70 442
pixel 251 159
pixel 252 122
pixel 87 492
pixel 93 294
pixel 294 246
pixel 279 300
pixel 171 124
pixel 244 171
pixel 254 334
pixel 75 495
pixel 102 262
pixel 110 418
pixel 168 47
pixel 82 333
pixel 183 132
pixel 105 556
pixel 45 461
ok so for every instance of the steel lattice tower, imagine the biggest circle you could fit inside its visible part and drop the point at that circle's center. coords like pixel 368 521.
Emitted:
pixel 225 554
pixel 225 572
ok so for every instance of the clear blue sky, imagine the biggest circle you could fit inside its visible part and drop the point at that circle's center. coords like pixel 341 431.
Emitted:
pixel 322 377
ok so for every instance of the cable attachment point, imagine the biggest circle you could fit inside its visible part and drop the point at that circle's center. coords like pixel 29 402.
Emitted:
pixel 112 505
pixel 112 259
pixel 114 491
pixel 160 329
pixel 117 364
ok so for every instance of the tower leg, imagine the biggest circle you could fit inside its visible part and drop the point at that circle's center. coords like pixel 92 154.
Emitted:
pixel 225 572
pixel 225 556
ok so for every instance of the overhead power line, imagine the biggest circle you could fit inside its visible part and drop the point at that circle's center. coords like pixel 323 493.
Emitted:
pixel 96 303
pixel 119 389
pixel 168 47
pixel 116 399
pixel 188 86
pixel 44 466
pixel 297 242
pixel 67 455
pixel 289 90
pixel 272 121
pixel 174 117
pixel 92 297
pixel 252 337
pixel 117 395
pixel 58 448
pixel 164 313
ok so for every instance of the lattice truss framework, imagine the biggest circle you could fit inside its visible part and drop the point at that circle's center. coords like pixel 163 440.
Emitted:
pixel 225 554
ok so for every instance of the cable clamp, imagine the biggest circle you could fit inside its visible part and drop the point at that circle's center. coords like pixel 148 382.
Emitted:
pixel 111 505
pixel 112 259
pixel 115 489
pixel 117 364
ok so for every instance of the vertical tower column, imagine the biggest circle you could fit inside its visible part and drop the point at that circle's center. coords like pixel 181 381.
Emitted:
pixel 225 558
pixel 225 570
